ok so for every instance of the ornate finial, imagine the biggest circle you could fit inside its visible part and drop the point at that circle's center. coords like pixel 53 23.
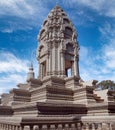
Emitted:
pixel 57 4
pixel 33 53
pixel 31 66
pixel 30 74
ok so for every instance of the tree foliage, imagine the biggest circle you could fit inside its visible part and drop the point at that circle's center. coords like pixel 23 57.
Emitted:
pixel 106 84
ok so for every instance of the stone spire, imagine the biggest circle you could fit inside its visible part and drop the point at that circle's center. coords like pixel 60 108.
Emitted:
pixel 58 47
pixel 30 74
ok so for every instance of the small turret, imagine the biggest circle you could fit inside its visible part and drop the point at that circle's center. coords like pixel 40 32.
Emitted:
pixel 30 74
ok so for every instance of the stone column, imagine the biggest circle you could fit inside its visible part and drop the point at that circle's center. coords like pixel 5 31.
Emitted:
pixel 73 127
pixel 40 70
pixel 13 127
pixel 76 66
pixel 60 127
pixel 62 64
pixel 53 127
pixel 72 68
pixel 93 126
pixel 35 127
pixel 47 66
pixel 3 126
pixel 66 127
pixel 99 126
pixel 61 55
pixel 49 62
pixel 110 126
pixel 53 61
pixel 58 61
pixel 79 127
pixel 87 126
pixel 7 127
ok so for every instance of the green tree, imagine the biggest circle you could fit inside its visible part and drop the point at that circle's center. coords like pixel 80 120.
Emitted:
pixel 106 84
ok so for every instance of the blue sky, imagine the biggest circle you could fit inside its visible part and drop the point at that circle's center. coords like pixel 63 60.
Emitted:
pixel 21 20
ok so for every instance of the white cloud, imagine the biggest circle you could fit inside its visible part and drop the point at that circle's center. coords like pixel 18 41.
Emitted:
pixel 109 54
pixel 16 7
pixel 22 8
pixel 103 7
pixel 85 55
pixel 36 11
pixel 107 31
pixel 21 14
pixel 108 49
pixel 93 67
pixel 7 30
pixel 102 65
pixel 10 81
pixel 10 63
pixel 13 70
pixel 88 68
pixel 15 78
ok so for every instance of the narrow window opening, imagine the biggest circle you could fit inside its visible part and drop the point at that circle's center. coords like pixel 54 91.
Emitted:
pixel 69 72
pixel 68 68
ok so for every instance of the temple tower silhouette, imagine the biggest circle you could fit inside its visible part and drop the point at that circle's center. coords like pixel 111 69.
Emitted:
pixel 58 50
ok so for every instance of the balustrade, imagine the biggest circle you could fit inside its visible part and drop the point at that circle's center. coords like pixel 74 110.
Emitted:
pixel 66 126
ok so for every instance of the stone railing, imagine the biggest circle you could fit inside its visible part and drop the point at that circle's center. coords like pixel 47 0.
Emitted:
pixel 98 122
pixel 97 126
pixel 4 126
pixel 56 124
pixel 66 126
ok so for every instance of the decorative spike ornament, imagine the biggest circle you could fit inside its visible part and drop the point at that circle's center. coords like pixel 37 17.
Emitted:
pixel 30 74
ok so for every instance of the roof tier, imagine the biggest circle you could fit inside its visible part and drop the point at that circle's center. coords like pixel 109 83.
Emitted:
pixel 57 25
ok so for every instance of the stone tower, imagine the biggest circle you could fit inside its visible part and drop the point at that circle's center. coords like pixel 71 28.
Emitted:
pixel 58 46
pixel 55 101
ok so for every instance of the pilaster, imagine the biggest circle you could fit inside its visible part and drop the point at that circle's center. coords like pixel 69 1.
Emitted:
pixel 62 63
pixel 76 66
